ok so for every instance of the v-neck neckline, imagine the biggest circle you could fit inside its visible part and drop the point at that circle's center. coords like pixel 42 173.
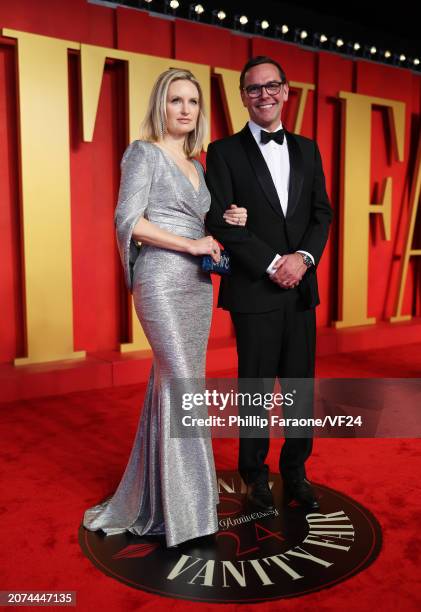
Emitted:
pixel 168 157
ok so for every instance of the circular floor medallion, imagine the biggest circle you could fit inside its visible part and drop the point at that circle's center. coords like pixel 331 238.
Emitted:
pixel 256 556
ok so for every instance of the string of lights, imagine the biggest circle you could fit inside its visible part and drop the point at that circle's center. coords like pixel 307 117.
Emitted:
pixel 241 22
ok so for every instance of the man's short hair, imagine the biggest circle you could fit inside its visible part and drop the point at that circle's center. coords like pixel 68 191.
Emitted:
pixel 256 61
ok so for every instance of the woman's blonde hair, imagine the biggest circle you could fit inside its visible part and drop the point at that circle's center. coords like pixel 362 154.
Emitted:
pixel 155 121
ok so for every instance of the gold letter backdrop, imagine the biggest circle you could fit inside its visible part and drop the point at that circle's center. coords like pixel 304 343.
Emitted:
pixel 45 178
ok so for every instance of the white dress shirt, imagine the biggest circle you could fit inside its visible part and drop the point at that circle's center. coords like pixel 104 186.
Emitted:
pixel 276 157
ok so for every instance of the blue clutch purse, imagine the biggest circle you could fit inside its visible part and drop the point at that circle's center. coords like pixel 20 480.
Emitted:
pixel 223 267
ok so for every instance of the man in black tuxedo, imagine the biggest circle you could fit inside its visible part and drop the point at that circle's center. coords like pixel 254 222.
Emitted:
pixel 272 290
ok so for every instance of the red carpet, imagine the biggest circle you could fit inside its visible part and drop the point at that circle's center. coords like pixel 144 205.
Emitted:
pixel 63 454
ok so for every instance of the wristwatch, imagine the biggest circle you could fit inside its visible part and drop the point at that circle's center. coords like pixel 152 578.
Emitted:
pixel 306 259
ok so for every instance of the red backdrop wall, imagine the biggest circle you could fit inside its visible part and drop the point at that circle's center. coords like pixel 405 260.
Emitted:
pixel 99 317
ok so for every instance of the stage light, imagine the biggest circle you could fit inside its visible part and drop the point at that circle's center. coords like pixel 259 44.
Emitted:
pixel 416 61
pixel 196 11
pixel 383 56
pixel 261 25
pixel 300 35
pixel 218 16
pixel 369 51
pixel 319 39
pixel 402 58
pixel 352 48
pixel 171 6
pixel 337 44
pixel 281 31
pixel 240 22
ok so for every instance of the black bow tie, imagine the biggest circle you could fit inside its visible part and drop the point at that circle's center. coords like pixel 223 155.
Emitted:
pixel 278 136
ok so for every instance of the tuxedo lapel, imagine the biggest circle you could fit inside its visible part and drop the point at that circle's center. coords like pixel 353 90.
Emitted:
pixel 296 173
pixel 257 162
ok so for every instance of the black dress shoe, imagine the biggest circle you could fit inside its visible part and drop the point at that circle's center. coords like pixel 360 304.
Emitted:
pixel 259 495
pixel 301 492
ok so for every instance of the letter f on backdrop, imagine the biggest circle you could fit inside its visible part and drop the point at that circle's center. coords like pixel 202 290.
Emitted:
pixel 356 204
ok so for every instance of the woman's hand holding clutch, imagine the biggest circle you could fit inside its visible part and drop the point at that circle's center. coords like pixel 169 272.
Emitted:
pixel 206 246
pixel 220 262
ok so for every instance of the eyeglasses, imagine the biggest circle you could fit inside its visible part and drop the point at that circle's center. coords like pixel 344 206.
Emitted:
pixel 272 88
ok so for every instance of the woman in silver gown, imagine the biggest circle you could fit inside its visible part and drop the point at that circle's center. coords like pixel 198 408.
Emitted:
pixel 169 485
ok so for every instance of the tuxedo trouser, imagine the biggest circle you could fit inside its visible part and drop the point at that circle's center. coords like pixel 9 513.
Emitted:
pixel 280 343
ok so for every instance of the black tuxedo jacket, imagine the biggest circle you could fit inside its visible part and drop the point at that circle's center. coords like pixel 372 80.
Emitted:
pixel 237 174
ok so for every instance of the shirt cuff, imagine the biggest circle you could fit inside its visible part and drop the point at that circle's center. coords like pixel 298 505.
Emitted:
pixel 307 253
pixel 271 269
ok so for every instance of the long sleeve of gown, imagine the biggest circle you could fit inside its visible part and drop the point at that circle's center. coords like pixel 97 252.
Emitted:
pixel 136 178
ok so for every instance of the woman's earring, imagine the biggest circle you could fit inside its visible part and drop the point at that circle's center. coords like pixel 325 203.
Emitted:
pixel 162 129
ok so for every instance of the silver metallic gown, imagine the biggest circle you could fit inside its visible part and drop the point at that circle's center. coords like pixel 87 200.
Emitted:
pixel 169 485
